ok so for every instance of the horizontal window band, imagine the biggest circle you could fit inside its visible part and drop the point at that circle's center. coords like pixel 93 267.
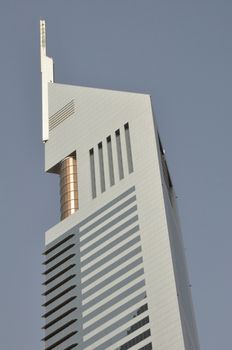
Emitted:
pixel 117 263
pixel 108 236
pixel 115 312
pixel 59 330
pixel 108 215
pixel 91 306
pixel 147 347
pixel 123 282
pixel 138 325
pixel 135 340
pixel 142 309
pixel 58 254
pixel 58 264
pixel 61 299
pixel 108 258
pixel 113 277
pixel 64 254
pixel 107 206
pixel 112 223
pixel 107 227
pixel 115 231
pixel 57 319
pixel 116 288
pixel 59 306
pixel 119 336
pixel 70 342
pixel 75 303
pixel 109 255
pixel 59 295
pixel 58 244
pixel 50 290
pixel 62 340
pixel 72 328
pixel 62 322
pixel 62 282
pixel 61 268
pixel 127 240
pixel 113 266
pixel 71 346
pixel 62 289
pixel 113 301
pixel 124 318
pixel 115 326
pixel 59 274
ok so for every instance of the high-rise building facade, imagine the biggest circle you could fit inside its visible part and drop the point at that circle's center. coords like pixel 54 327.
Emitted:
pixel 115 271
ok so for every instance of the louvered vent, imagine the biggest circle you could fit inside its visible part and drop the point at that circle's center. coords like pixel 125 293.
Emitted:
pixel 62 114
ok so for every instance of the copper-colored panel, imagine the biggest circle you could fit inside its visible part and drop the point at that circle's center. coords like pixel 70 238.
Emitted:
pixel 68 187
pixel 72 203
pixel 67 179
pixel 67 213
pixel 71 187
pixel 67 172
pixel 68 196
pixel 69 205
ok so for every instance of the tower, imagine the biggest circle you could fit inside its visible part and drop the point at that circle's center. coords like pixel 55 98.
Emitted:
pixel 115 271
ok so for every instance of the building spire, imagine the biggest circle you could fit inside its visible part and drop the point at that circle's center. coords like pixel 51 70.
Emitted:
pixel 43 37
pixel 47 77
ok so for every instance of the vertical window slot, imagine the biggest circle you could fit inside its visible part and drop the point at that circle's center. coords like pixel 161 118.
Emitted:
pixel 110 160
pixel 119 154
pixel 128 148
pixel 101 167
pixel 92 173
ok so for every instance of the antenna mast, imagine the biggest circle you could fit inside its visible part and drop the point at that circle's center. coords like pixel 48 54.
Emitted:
pixel 47 76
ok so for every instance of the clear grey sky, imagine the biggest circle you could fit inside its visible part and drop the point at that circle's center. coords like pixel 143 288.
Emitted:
pixel 180 52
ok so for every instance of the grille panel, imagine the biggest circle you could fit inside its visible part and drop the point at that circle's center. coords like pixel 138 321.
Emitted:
pixel 61 115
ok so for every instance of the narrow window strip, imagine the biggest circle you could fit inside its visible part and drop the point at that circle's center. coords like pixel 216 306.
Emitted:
pixel 128 148
pixel 92 173
pixel 101 167
pixel 110 160
pixel 119 154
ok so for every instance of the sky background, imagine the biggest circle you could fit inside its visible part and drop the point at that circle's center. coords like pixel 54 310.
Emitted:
pixel 180 52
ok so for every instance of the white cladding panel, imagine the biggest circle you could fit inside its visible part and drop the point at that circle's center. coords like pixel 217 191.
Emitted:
pixel 98 114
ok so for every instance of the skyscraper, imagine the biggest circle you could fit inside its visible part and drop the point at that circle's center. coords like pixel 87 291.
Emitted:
pixel 115 271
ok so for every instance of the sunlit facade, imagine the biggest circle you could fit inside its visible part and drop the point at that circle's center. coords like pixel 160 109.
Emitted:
pixel 115 271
